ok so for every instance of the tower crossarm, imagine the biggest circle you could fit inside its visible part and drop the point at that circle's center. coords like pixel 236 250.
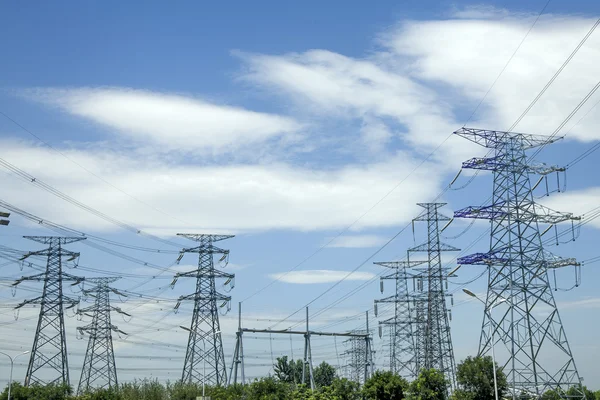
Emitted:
pixel 553 261
pixel 204 274
pixel 390 299
pixel 497 139
pixel 67 301
pixel 200 296
pixel 481 212
pixel 426 247
pixel 547 215
pixel 198 237
pixel 501 163
pixel 400 264
pixel 205 248
pixel 55 239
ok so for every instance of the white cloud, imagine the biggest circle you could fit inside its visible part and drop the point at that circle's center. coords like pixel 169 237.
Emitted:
pixel 466 56
pixel 173 122
pixel 358 241
pixel 231 198
pixel 577 202
pixel 428 76
pixel 320 276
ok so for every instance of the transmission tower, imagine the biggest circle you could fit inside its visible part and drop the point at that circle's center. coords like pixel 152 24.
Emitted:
pixel 205 318
pixel 400 327
pixel 359 358
pixel 99 363
pixel 527 323
pixel 48 361
pixel 433 341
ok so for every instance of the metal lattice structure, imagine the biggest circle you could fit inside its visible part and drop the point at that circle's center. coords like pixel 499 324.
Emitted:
pixel 99 370
pixel 205 318
pixel 359 357
pixel 433 342
pixel 528 325
pixel 400 327
pixel 48 362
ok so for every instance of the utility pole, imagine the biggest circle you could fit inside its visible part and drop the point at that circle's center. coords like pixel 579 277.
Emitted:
pixel 205 318
pixel 308 357
pixel 528 323
pixel 433 340
pixel 99 368
pixel 238 354
pixel 48 361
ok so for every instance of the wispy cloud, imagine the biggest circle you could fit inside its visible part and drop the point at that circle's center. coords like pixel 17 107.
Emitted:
pixel 241 197
pixel 320 276
pixel 358 241
pixel 171 121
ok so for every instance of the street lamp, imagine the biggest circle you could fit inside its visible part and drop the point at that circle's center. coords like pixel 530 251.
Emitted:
pixel 469 293
pixel 12 363
pixel 204 356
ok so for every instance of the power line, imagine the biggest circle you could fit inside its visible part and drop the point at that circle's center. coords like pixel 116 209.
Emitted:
pixel 507 63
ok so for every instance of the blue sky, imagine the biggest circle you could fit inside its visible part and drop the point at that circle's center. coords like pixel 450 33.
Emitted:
pixel 284 125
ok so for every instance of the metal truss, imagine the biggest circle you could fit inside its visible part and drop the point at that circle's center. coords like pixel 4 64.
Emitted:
pixel 48 363
pixel 99 370
pixel 526 324
pixel 204 342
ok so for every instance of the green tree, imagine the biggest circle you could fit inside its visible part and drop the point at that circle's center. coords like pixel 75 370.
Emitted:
pixel 269 388
pixel 385 385
pixel 429 385
pixel 345 389
pixel 288 370
pixel 597 395
pixel 37 392
pixel 475 378
pixel 324 374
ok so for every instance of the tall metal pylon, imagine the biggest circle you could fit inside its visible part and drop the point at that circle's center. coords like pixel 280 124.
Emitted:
pixel 400 327
pixel 433 341
pixel 99 368
pixel 359 358
pixel 536 353
pixel 205 318
pixel 48 362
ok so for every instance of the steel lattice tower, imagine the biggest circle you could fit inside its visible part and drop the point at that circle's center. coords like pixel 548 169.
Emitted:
pixel 359 358
pixel 205 319
pixel 48 361
pixel 528 323
pixel 99 363
pixel 433 341
pixel 400 326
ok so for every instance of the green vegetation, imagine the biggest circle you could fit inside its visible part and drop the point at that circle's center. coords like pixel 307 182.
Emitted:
pixel 474 378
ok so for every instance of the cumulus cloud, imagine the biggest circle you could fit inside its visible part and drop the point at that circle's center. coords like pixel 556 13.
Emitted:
pixel 428 76
pixel 320 276
pixel 171 121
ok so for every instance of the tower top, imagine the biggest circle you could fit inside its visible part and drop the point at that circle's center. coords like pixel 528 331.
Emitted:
pixel 498 139
pixel 200 237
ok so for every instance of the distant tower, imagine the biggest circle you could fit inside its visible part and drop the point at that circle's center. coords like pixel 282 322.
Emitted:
pixel 48 361
pixel 356 358
pixel 402 324
pixel 526 322
pixel 433 341
pixel 99 369
pixel 205 319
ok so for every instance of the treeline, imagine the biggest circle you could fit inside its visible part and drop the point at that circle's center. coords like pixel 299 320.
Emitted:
pixel 474 377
